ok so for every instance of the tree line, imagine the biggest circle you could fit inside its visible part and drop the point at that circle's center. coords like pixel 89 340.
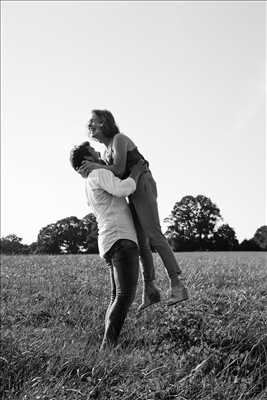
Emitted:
pixel 195 224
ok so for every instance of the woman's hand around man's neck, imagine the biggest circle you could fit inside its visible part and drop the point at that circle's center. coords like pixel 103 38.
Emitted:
pixel 88 166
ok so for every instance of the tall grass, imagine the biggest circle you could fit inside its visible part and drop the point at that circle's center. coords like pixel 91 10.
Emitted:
pixel 213 346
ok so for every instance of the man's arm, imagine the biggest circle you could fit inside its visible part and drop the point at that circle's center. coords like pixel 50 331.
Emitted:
pixel 120 187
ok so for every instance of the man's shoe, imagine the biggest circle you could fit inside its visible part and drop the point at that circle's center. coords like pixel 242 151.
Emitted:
pixel 151 295
pixel 178 293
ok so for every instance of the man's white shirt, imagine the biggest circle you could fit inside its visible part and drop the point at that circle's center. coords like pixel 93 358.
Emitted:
pixel 106 197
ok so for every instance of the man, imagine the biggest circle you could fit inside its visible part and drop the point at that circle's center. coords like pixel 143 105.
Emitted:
pixel 117 239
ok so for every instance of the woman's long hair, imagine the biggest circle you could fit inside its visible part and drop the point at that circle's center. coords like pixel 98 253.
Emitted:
pixel 110 128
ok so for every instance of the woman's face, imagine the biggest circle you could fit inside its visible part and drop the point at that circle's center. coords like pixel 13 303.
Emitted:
pixel 95 127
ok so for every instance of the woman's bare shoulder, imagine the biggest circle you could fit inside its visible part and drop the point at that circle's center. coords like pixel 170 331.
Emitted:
pixel 122 138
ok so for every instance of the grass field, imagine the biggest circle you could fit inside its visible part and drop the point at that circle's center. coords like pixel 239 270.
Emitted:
pixel 213 346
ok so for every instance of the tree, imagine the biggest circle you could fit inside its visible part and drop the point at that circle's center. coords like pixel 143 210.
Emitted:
pixel 32 248
pixel 72 234
pixel 90 244
pixel 69 236
pixel 192 223
pixel 249 245
pixel 260 237
pixel 11 244
pixel 48 241
pixel 225 238
pixel 65 236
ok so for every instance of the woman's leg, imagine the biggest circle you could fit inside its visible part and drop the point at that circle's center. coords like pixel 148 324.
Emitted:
pixel 144 200
pixel 151 293
pixel 148 268
pixel 125 263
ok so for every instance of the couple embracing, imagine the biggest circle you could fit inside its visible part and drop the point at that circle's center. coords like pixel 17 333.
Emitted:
pixel 127 230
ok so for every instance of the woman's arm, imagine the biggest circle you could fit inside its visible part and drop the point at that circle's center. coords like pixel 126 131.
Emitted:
pixel 89 166
pixel 120 148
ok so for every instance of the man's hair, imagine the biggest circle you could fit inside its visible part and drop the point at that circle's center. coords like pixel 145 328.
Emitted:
pixel 78 154
pixel 110 128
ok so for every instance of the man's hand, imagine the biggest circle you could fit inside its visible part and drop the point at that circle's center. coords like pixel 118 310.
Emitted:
pixel 87 167
pixel 138 169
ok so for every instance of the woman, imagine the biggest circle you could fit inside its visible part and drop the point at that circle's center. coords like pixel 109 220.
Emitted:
pixel 121 154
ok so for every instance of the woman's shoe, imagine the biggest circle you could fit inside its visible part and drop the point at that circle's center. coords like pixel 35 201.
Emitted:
pixel 151 295
pixel 178 293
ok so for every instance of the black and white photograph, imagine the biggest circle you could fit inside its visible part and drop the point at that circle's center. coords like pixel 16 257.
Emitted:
pixel 133 200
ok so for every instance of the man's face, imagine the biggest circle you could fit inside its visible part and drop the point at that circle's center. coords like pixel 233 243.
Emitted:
pixel 93 156
pixel 95 127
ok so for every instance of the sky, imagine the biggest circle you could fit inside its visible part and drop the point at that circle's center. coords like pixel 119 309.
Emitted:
pixel 184 80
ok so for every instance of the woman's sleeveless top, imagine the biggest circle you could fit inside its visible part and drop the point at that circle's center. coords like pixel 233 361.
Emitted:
pixel 133 156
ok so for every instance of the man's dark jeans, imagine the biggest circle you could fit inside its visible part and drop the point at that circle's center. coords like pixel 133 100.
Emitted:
pixel 123 261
